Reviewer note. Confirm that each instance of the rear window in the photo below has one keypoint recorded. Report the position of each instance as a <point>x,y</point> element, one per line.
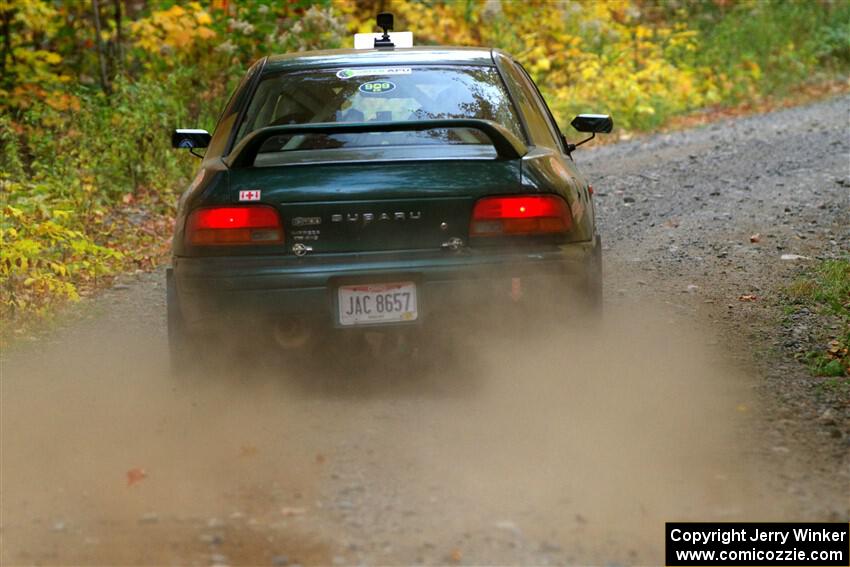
<point>379,94</point>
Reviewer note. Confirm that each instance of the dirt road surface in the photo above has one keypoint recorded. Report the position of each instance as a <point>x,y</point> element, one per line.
<point>513,446</point>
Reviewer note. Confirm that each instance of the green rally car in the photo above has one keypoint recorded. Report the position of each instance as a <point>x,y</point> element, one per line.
<point>379,188</point>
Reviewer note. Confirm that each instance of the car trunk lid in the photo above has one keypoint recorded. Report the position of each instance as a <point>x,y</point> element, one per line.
<point>384,206</point>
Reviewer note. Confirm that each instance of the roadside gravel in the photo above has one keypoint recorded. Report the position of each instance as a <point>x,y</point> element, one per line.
<point>703,218</point>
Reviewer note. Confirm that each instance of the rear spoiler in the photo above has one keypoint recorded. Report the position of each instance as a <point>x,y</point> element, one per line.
<point>507,145</point>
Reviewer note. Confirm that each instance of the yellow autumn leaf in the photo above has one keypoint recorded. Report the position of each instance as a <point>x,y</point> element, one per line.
<point>203,18</point>
<point>205,33</point>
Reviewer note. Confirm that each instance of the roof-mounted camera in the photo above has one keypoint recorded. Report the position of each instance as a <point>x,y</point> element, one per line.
<point>385,22</point>
<point>389,39</point>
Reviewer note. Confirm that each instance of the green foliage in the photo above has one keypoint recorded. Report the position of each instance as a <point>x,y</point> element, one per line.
<point>827,285</point>
<point>769,46</point>
<point>42,259</point>
<point>826,288</point>
<point>89,181</point>
<point>69,180</point>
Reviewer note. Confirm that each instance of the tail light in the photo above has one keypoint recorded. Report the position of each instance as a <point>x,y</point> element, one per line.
<point>520,216</point>
<point>231,226</point>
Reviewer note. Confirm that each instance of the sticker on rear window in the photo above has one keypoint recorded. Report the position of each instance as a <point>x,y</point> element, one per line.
<point>376,87</point>
<point>372,71</point>
<point>251,195</point>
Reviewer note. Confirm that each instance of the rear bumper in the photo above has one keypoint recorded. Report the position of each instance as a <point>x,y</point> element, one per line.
<point>217,293</point>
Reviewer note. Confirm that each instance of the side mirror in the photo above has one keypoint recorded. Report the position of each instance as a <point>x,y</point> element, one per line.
<point>595,123</point>
<point>187,138</point>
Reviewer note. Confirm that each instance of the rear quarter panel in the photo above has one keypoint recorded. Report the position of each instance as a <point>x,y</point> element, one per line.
<point>549,171</point>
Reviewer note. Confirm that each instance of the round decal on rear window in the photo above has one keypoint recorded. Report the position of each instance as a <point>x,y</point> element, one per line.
<point>376,87</point>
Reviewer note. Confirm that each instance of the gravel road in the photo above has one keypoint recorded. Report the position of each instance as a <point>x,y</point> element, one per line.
<point>515,446</point>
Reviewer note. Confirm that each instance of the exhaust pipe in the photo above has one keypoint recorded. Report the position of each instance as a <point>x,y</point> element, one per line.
<point>292,333</point>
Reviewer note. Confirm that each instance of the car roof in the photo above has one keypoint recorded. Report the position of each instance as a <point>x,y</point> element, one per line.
<point>365,57</point>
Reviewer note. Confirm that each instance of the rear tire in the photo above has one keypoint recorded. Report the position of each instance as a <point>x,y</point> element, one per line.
<point>181,347</point>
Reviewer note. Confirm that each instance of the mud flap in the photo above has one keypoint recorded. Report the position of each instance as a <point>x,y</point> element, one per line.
<point>594,280</point>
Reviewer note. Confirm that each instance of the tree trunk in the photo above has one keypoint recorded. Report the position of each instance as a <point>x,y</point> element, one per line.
<point>7,41</point>
<point>119,37</point>
<point>101,56</point>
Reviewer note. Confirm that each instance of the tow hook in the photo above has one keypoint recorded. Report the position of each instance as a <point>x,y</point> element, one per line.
<point>453,244</point>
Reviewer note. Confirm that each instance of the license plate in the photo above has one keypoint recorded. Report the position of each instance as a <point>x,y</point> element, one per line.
<point>368,304</point>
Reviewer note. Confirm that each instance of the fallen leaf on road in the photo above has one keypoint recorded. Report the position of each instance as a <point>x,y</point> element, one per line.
<point>748,298</point>
<point>836,349</point>
<point>672,223</point>
<point>456,555</point>
<point>320,458</point>
<point>755,238</point>
<point>135,476</point>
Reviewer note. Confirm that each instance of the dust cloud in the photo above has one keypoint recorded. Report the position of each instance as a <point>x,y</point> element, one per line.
<point>511,445</point>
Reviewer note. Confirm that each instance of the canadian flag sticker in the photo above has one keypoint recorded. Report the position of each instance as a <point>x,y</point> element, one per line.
<point>251,195</point>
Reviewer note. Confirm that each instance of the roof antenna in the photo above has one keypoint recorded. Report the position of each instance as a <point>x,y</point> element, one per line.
<point>385,22</point>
